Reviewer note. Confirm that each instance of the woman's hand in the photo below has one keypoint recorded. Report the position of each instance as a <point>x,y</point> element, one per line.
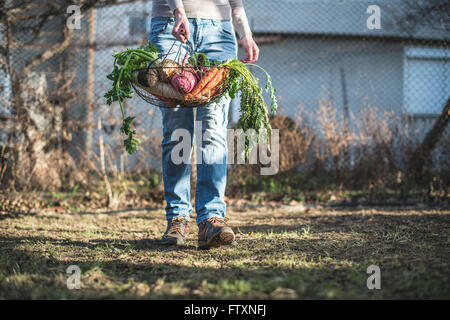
<point>251,49</point>
<point>181,27</point>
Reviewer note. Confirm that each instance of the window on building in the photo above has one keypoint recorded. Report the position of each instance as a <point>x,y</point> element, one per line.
<point>426,80</point>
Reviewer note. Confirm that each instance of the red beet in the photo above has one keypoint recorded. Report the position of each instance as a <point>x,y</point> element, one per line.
<point>184,82</point>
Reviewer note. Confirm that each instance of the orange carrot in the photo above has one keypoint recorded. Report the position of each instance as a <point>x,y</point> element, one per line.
<point>203,82</point>
<point>210,88</point>
<point>214,86</point>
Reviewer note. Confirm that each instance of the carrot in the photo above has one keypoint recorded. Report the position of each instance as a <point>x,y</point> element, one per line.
<point>211,88</point>
<point>214,86</point>
<point>203,82</point>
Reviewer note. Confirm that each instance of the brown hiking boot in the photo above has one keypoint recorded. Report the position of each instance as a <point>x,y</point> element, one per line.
<point>213,232</point>
<point>175,232</point>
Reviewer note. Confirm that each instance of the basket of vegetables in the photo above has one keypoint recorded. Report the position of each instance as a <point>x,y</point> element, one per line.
<point>190,82</point>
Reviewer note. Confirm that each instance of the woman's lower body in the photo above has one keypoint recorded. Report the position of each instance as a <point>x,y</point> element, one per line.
<point>216,39</point>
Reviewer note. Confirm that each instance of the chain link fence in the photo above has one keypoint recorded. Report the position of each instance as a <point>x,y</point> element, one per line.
<point>360,86</point>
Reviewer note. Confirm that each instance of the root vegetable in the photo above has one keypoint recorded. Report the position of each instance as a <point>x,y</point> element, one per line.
<point>212,87</point>
<point>203,81</point>
<point>167,68</point>
<point>161,89</point>
<point>184,82</point>
<point>148,77</point>
<point>165,90</point>
<point>215,85</point>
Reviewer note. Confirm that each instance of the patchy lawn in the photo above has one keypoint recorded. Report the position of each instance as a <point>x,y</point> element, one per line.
<point>281,252</point>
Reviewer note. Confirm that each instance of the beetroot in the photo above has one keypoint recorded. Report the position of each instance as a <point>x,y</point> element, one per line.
<point>184,82</point>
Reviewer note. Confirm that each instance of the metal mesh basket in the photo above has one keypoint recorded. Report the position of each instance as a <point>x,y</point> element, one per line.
<point>164,102</point>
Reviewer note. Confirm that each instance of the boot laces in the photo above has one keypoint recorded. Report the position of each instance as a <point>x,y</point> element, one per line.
<point>216,220</point>
<point>176,225</point>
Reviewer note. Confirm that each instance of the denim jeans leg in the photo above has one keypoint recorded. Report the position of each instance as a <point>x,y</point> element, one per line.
<point>176,176</point>
<point>212,160</point>
<point>218,43</point>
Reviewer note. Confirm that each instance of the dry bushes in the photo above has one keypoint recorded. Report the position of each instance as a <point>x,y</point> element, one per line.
<point>295,142</point>
<point>371,153</point>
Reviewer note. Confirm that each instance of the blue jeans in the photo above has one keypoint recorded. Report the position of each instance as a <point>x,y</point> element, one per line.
<point>216,39</point>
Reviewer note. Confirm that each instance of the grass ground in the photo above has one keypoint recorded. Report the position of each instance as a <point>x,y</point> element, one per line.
<point>281,252</point>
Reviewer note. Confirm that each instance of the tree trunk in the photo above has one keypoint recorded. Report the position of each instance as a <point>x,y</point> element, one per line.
<point>36,133</point>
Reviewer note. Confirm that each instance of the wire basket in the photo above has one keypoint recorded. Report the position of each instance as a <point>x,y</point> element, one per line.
<point>187,100</point>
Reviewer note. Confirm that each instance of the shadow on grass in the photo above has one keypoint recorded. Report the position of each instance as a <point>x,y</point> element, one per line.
<point>141,244</point>
<point>325,257</point>
<point>124,210</point>
<point>364,223</point>
<point>44,277</point>
<point>14,214</point>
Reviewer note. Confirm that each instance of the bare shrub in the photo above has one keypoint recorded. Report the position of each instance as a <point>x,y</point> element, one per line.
<point>370,154</point>
<point>333,140</point>
<point>296,138</point>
